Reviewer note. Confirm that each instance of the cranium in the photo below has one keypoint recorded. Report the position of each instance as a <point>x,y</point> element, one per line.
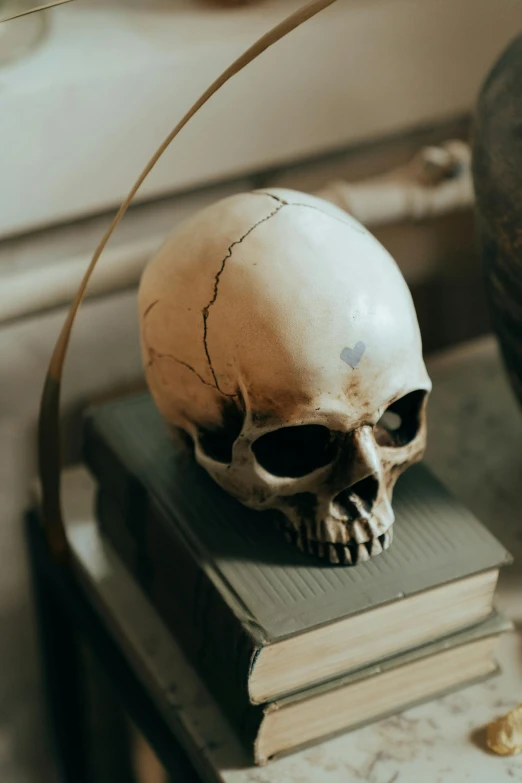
<point>282,338</point>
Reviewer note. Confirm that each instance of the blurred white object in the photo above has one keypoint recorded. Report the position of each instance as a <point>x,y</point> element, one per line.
<point>436,181</point>
<point>83,113</point>
<point>49,286</point>
<point>19,36</point>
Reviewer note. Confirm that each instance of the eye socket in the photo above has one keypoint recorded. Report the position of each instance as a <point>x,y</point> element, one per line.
<point>390,421</point>
<point>218,442</point>
<point>293,452</point>
<point>400,421</point>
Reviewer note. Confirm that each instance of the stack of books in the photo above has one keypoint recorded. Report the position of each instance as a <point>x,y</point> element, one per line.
<point>292,648</point>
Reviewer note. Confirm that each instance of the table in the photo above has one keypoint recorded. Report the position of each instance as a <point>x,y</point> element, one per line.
<point>475,447</point>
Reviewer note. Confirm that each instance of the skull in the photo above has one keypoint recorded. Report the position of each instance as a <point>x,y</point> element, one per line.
<point>281,337</point>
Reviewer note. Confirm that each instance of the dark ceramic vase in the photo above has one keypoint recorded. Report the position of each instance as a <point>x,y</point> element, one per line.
<point>497,174</point>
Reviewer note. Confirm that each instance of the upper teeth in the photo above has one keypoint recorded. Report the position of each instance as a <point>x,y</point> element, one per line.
<point>351,552</point>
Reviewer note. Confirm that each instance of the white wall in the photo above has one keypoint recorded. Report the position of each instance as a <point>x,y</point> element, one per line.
<point>82,114</point>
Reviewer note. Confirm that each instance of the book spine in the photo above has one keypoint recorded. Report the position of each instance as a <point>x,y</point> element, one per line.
<point>212,636</point>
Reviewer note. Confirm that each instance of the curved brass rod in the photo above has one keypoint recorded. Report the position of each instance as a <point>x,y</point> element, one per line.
<point>5,17</point>
<point>48,426</point>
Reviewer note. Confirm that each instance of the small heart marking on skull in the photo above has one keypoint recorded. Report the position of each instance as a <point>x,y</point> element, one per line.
<point>353,356</point>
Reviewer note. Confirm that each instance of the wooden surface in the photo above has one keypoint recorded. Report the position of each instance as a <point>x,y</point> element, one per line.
<point>475,447</point>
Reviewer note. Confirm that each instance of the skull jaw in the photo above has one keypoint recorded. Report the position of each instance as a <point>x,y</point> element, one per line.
<point>339,542</point>
<point>339,554</point>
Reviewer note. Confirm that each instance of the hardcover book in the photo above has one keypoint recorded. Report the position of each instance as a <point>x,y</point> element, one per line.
<point>373,692</point>
<point>260,619</point>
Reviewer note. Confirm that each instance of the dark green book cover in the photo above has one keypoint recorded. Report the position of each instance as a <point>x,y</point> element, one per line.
<point>222,575</point>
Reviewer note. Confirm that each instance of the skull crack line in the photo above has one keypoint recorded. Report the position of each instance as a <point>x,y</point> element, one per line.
<point>361,230</point>
<point>153,355</point>
<point>206,309</point>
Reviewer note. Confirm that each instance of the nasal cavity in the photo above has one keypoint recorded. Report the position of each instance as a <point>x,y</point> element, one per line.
<point>363,493</point>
